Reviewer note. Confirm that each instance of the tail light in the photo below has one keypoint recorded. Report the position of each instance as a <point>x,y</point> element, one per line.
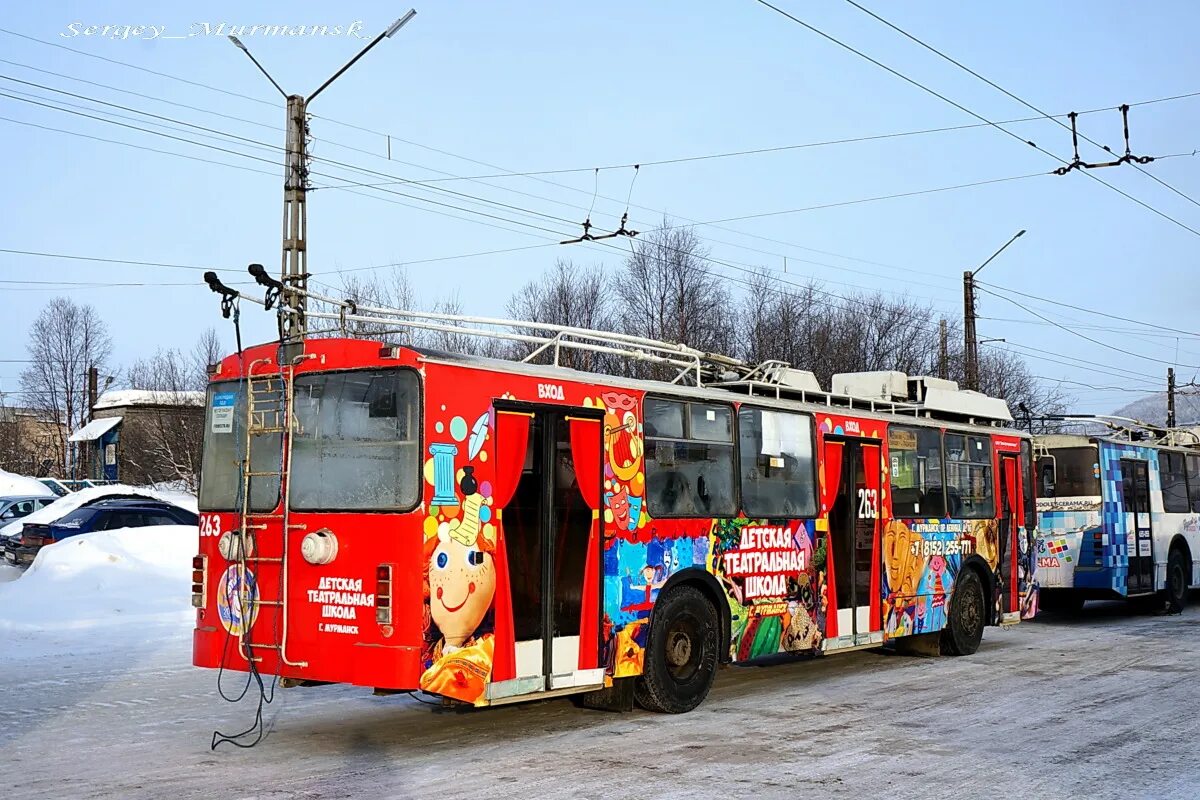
<point>199,580</point>
<point>383,594</point>
<point>35,540</point>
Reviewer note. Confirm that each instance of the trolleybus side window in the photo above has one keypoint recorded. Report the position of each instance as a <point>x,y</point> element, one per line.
<point>355,446</point>
<point>915,466</point>
<point>224,449</point>
<point>689,459</point>
<point>970,490</point>
<point>1193,470</point>
<point>1172,475</point>
<point>776,458</point>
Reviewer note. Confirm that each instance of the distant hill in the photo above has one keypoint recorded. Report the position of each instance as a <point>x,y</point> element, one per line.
<point>1153,408</point>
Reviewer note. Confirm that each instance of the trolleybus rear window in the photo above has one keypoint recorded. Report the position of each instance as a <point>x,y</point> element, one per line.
<point>689,459</point>
<point>356,442</point>
<point>776,452</point>
<point>224,451</point>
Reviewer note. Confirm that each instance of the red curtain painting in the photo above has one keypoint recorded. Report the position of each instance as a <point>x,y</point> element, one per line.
<point>871,477</point>
<point>512,440</point>
<point>586,455</point>
<point>1015,517</point>
<point>831,464</point>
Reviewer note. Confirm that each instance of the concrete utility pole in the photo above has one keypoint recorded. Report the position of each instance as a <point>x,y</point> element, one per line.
<point>1170,397</point>
<point>970,341</point>
<point>294,262</point>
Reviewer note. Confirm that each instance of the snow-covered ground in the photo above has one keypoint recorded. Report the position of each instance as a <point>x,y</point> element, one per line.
<point>13,485</point>
<point>65,505</point>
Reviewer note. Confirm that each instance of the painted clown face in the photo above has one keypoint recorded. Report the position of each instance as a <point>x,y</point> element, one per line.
<point>462,582</point>
<point>619,503</point>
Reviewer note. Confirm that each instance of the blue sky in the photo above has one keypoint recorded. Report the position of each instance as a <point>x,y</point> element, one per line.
<point>541,85</point>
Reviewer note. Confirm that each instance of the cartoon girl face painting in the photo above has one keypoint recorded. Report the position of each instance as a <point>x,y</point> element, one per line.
<point>462,583</point>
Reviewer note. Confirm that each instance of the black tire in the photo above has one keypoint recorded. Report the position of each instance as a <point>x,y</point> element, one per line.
<point>968,613</point>
<point>1177,580</point>
<point>681,653</point>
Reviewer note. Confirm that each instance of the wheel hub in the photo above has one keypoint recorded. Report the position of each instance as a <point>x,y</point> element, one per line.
<point>679,650</point>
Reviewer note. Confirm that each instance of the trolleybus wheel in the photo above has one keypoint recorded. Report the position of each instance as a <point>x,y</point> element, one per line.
<point>1177,580</point>
<point>681,653</point>
<point>968,610</point>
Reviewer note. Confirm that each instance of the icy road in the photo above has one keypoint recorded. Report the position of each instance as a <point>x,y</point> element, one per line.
<point>1106,706</point>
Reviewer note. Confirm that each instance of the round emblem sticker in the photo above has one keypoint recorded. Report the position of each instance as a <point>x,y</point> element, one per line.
<point>237,600</point>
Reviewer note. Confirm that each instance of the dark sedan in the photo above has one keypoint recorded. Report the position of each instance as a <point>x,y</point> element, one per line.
<point>105,514</point>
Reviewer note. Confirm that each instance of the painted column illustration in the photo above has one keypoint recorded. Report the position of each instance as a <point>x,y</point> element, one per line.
<point>443,474</point>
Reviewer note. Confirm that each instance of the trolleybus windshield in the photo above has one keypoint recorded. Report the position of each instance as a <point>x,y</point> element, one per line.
<point>1071,472</point>
<point>224,451</point>
<point>355,441</point>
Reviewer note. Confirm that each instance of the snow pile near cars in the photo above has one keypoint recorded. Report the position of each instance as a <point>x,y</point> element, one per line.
<point>131,577</point>
<point>13,485</point>
<point>65,505</point>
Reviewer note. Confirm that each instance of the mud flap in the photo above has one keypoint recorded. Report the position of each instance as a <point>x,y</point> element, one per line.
<point>923,644</point>
<point>618,697</point>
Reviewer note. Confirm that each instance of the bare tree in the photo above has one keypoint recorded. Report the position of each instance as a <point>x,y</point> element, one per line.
<point>65,340</point>
<point>570,295</point>
<point>208,350</point>
<point>668,291</point>
<point>161,438</point>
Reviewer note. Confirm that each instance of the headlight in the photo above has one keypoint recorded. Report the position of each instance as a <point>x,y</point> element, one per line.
<point>319,547</point>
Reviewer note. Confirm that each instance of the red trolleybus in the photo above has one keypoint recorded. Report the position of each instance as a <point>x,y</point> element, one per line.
<point>492,531</point>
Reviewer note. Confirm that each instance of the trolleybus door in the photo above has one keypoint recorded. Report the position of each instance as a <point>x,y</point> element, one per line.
<point>853,543</point>
<point>1135,490</point>
<point>550,529</point>
<point>1009,524</point>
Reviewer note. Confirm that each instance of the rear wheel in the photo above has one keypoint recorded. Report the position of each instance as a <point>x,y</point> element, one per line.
<point>681,653</point>
<point>1177,580</point>
<point>964,629</point>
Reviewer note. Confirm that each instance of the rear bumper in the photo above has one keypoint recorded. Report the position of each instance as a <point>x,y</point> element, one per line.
<point>375,665</point>
<point>18,555</point>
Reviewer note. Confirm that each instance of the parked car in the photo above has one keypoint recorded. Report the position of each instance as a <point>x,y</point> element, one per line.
<point>105,514</point>
<point>56,486</point>
<point>15,507</point>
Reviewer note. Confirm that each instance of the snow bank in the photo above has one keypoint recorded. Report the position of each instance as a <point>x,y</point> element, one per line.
<point>15,485</point>
<point>65,505</point>
<point>131,576</point>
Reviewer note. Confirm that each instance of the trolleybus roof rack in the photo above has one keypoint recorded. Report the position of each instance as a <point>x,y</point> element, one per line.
<point>890,392</point>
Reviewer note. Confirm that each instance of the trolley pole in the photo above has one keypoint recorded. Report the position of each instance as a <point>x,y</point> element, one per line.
<point>970,341</point>
<point>1170,397</point>
<point>293,323</point>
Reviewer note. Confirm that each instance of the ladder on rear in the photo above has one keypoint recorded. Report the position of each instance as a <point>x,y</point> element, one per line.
<point>269,402</point>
